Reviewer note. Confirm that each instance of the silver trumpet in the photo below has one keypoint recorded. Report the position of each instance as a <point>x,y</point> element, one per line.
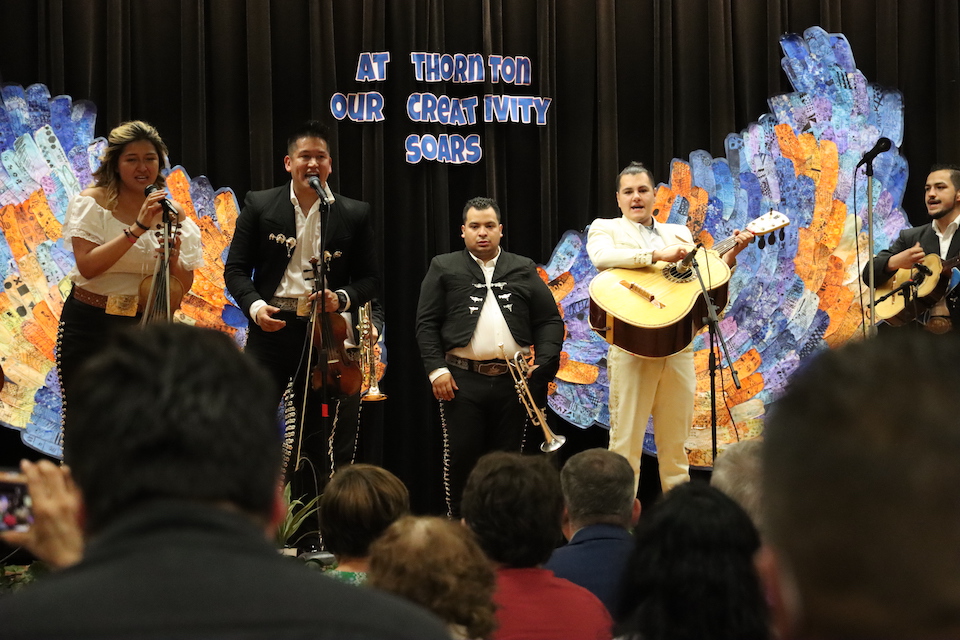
<point>368,356</point>
<point>519,368</point>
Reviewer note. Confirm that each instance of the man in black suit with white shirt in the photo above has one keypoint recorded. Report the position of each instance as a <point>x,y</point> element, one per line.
<point>942,199</point>
<point>268,266</point>
<point>476,307</point>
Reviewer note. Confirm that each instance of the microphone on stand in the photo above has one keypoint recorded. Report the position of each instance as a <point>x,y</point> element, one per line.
<point>688,259</point>
<point>314,182</point>
<point>922,268</point>
<point>883,144</point>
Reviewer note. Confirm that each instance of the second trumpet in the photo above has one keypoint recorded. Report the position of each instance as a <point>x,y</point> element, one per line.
<point>519,369</point>
<point>369,357</point>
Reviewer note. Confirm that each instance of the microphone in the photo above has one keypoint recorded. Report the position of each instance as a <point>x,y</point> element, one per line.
<point>165,203</point>
<point>922,268</point>
<point>688,259</point>
<point>883,144</point>
<point>314,182</point>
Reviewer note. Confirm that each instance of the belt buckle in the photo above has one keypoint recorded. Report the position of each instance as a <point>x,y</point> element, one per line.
<point>491,368</point>
<point>284,304</point>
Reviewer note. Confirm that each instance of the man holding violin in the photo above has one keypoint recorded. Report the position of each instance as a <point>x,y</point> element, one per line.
<point>478,306</point>
<point>270,275</point>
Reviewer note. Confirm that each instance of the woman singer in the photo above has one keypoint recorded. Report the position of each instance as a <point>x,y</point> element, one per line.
<point>111,228</point>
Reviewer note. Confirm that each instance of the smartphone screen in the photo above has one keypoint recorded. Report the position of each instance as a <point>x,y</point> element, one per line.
<point>15,507</point>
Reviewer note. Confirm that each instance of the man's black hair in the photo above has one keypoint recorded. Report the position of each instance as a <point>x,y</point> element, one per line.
<point>309,129</point>
<point>480,203</point>
<point>635,168</point>
<point>172,412</point>
<point>861,487</point>
<point>513,504</point>
<point>954,172</point>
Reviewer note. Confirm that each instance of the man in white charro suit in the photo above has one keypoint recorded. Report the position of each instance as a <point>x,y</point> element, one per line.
<point>641,386</point>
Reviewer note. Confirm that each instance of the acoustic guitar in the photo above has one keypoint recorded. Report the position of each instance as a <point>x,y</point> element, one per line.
<point>892,304</point>
<point>656,310</point>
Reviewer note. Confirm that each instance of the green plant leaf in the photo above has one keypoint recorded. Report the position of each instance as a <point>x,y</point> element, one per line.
<point>297,514</point>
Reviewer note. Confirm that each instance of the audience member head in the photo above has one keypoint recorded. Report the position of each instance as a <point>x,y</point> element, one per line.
<point>513,504</point>
<point>438,565</point>
<point>172,412</point>
<point>737,473</point>
<point>861,491</point>
<point>107,174</point>
<point>691,575</point>
<point>598,488</point>
<point>358,505</point>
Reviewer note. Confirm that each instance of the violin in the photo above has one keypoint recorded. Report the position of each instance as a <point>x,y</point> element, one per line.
<point>161,293</point>
<point>333,367</point>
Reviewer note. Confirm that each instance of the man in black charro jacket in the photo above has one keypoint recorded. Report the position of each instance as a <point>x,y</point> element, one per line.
<point>268,273</point>
<point>942,199</point>
<point>476,306</point>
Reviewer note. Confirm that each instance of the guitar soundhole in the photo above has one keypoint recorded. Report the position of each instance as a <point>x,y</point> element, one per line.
<point>673,274</point>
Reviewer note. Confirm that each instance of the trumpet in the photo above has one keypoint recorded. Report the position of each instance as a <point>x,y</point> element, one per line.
<point>368,356</point>
<point>519,368</point>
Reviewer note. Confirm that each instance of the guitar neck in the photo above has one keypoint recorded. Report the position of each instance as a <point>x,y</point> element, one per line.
<point>725,245</point>
<point>767,223</point>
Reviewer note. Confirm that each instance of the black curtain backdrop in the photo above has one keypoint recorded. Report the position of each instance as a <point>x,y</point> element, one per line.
<point>225,80</point>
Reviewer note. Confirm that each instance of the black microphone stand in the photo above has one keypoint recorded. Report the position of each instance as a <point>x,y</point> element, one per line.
<point>713,327</point>
<point>883,144</point>
<point>321,288</point>
<point>906,288</point>
<point>318,307</point>
<point>911,293</point>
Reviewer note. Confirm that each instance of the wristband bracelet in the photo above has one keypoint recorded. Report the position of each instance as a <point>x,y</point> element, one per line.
<point>132,238</point>
<point>141,225</point>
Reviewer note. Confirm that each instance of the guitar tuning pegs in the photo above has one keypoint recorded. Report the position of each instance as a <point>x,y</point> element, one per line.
<point>773,239</point>
<point>761,242</point>
<point>783,235</point>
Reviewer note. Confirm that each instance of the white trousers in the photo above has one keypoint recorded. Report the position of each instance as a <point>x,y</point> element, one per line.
<point>661,387</point>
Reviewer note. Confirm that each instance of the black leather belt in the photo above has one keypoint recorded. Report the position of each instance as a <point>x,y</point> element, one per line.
<point>284,304</point>
<point>483,367</point>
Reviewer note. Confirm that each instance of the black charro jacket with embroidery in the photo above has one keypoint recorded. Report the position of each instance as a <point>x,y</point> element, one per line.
<point>452,295</point>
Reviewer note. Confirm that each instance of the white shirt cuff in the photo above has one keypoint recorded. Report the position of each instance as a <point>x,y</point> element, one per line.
<point>436,373</point>
<point>254,308</point>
